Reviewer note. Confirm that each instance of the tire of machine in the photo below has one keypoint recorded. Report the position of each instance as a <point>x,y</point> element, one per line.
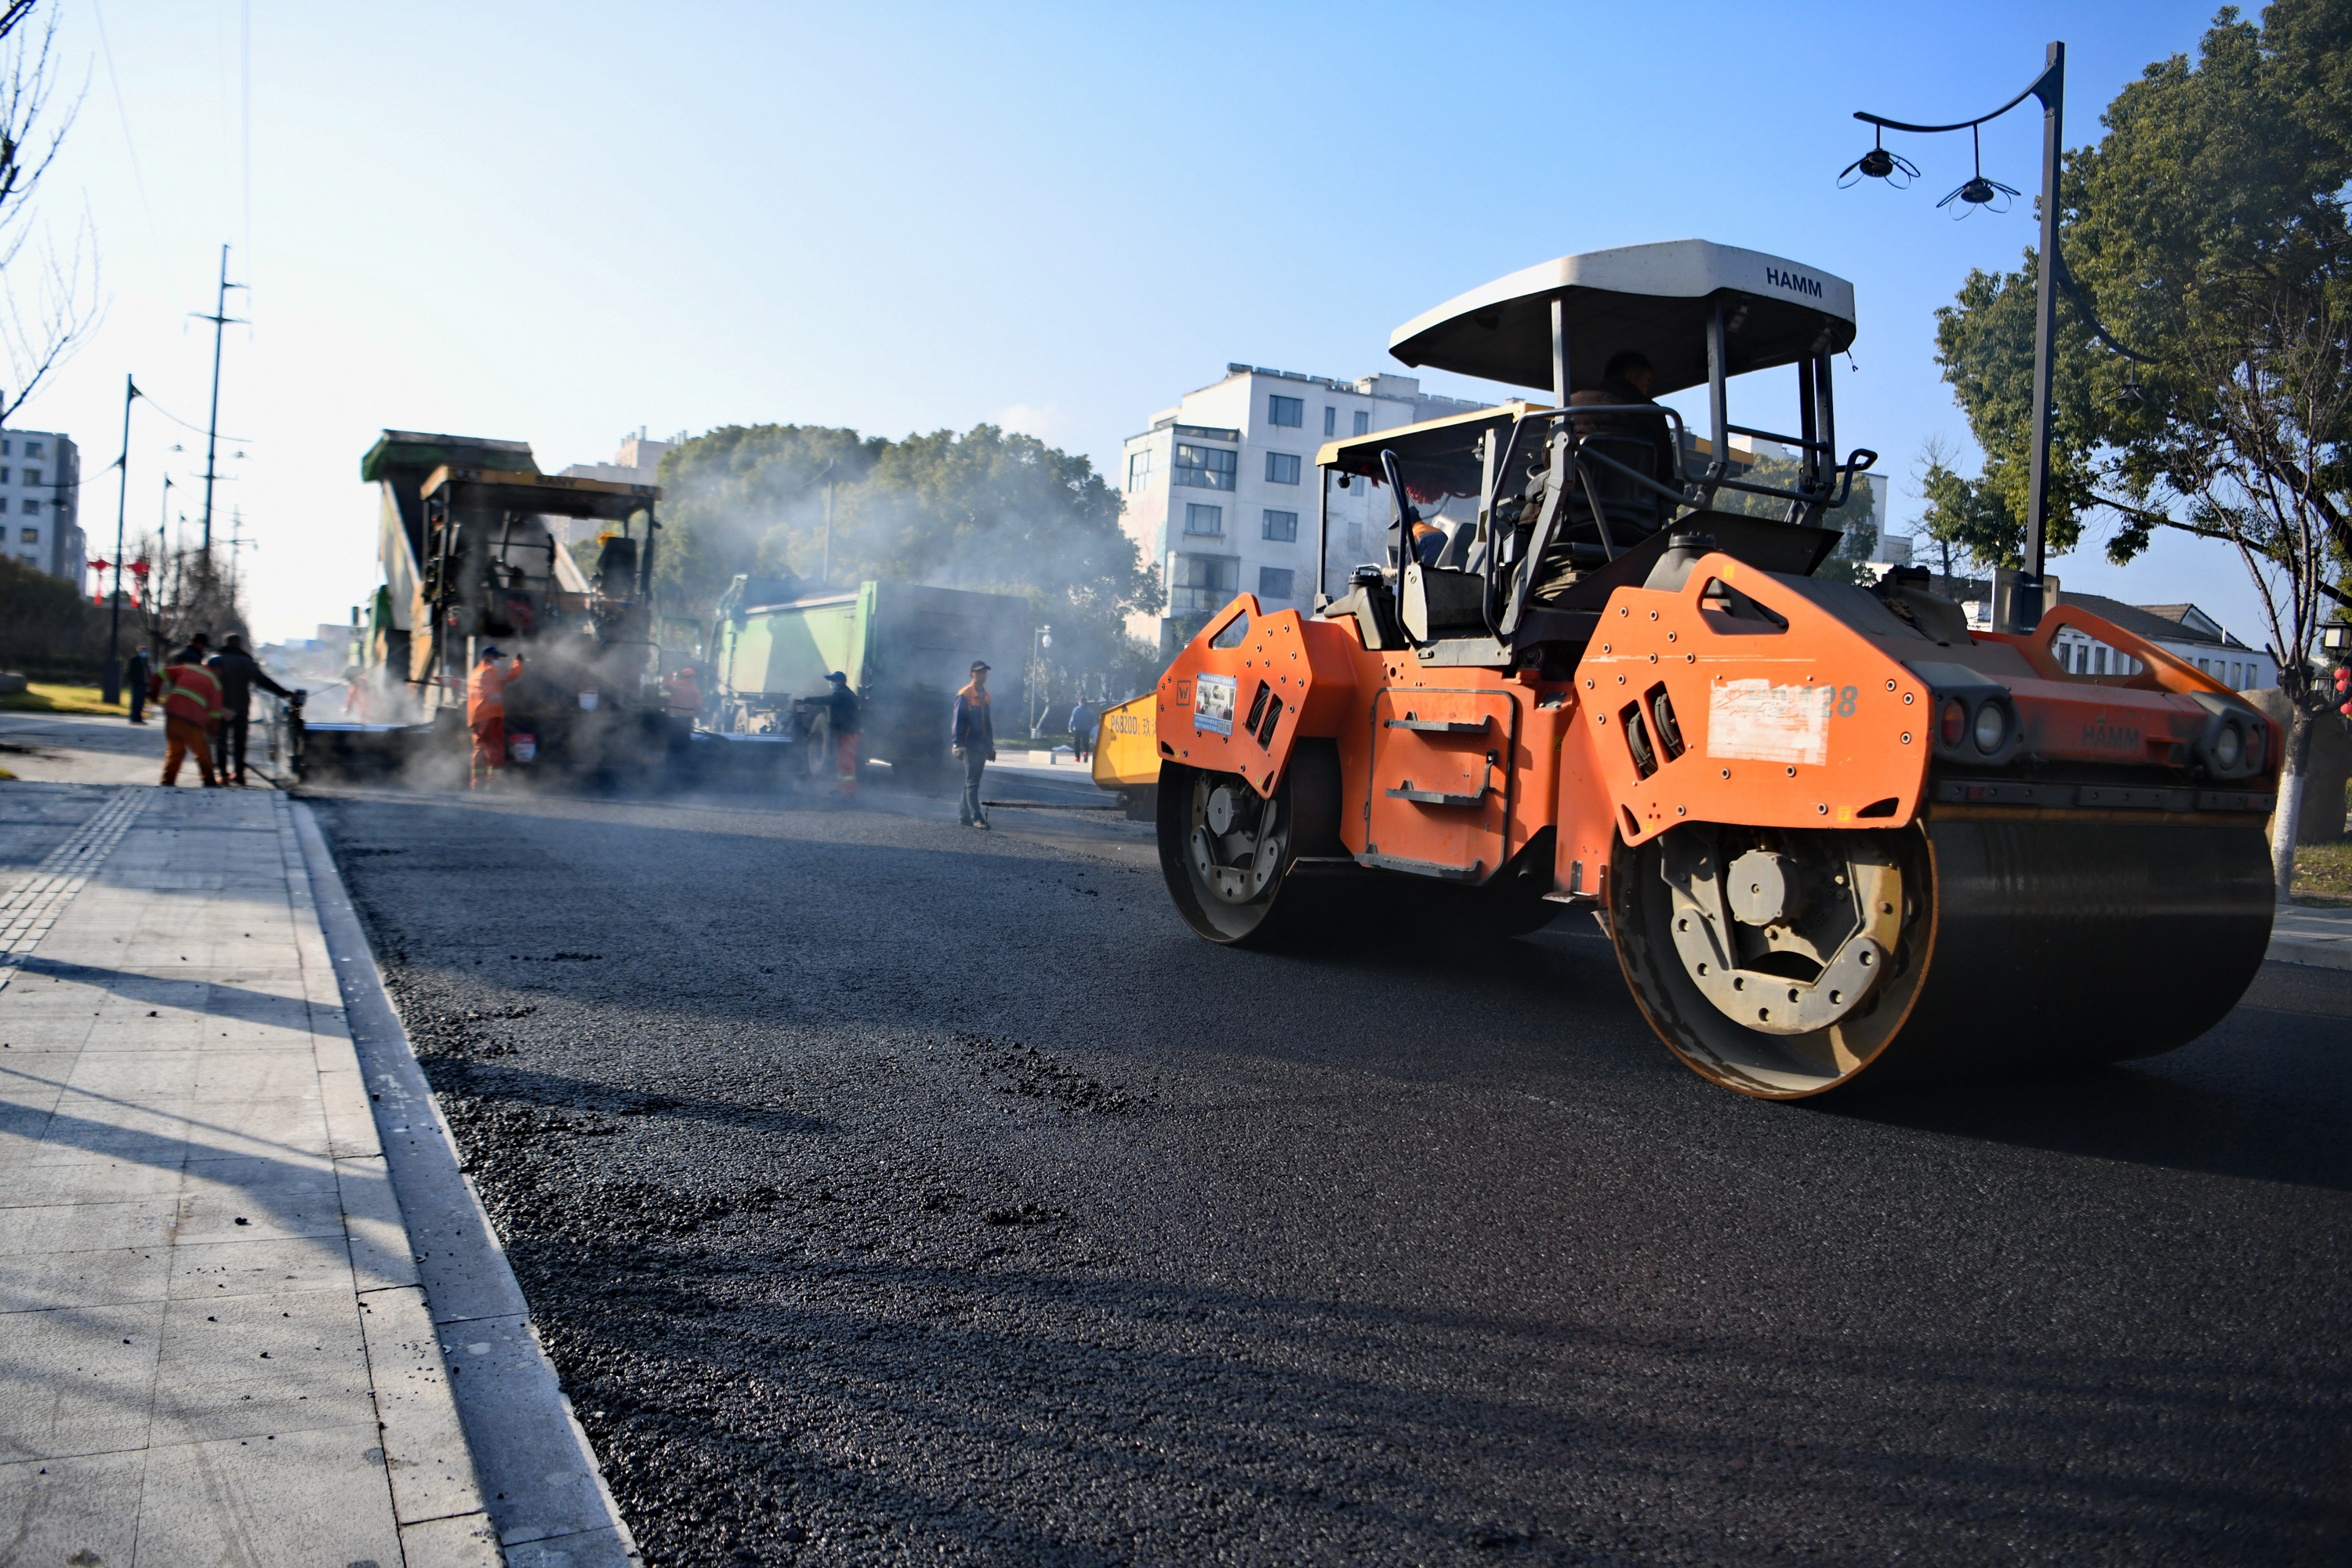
<point>1294,909</point>
<point>2027,947</point>
<point>817,761</point>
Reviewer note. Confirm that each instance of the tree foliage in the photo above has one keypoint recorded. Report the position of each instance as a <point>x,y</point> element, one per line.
<point>2207,227</point>
<point>986,509</point>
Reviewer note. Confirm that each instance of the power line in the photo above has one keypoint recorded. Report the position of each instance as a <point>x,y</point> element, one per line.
<point>113,80</point>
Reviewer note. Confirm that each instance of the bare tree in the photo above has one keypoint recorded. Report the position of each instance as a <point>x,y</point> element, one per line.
<point>45,318</point>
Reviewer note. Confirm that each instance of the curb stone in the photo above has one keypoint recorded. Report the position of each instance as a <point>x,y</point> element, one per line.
<point>543,1488</point>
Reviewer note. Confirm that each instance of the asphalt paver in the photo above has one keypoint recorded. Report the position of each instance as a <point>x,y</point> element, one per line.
<point>888,1191</point>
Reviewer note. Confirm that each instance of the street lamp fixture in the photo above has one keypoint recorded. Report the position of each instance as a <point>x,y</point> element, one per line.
<point>1978,191</point>
<point>2050,89</point>
<point>1878,164</point>
<point>2336,637</point>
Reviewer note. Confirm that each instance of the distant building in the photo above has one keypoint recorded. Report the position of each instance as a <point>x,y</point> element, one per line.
<point>1222,488</point>
<point>2184,631</point>
<point>638,463</point>
<point>40,503</point>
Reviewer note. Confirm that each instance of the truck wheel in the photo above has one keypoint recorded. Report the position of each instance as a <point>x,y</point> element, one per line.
<point>819,757</point>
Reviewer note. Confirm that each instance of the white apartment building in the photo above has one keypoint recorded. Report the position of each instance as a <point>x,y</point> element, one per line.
<point>1221,490</point>
<point>40,503</point>
<point>638,463</point>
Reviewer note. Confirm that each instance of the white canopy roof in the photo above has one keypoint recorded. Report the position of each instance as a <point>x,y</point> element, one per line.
<point>1655,299</point>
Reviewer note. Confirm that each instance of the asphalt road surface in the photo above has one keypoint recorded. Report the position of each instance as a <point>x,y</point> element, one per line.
<point>892,1192</point>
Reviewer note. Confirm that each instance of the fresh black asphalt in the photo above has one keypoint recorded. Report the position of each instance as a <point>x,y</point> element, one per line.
<point>891,1192</point>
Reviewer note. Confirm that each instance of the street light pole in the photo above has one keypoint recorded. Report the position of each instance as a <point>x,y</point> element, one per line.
<point>2050,88</point>
<point>114,692</point>
<point>2052,91</point>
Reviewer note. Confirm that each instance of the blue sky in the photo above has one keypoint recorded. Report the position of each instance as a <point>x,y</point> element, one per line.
<point>559,223</point>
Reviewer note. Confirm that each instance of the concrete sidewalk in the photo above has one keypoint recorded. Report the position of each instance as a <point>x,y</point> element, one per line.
<point>214,1346</point>
<point>2323,938</point>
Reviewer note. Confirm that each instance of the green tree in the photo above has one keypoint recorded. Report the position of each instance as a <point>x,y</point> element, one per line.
<point>2207,228</point>
<point>985,510</point>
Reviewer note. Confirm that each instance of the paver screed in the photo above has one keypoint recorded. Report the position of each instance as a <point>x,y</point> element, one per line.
<point>213,1344</point>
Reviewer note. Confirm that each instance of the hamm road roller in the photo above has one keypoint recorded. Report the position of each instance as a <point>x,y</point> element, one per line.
<point>1828,826</point>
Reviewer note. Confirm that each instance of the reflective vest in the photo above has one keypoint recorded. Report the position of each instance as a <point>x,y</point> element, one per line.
<point>189,691</point>
<point>486,690</point>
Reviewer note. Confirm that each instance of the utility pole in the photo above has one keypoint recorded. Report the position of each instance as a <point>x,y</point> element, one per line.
<point>113,691</point>
<point>220,319</point>
<point>155,568</point>
<point>2052,90</point>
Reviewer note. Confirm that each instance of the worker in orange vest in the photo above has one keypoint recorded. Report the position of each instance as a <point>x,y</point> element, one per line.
<point>486,712</point>
<point>191,696</point>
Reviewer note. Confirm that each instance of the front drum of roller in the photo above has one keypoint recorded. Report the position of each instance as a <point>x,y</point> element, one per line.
<point>2021,947</point>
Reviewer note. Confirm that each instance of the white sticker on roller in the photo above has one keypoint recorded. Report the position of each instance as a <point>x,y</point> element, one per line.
<point>1756,721</point>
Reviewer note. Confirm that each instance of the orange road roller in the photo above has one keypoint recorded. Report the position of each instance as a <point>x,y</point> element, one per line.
<point>1830,827</point>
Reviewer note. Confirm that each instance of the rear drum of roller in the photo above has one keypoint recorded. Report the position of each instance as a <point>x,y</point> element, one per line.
<point>2026,946</point>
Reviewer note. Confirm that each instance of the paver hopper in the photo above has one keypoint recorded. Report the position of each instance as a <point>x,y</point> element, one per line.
<point>1829,827</point>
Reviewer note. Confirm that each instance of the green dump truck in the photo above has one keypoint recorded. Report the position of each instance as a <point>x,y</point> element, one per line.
<point>905,648</point>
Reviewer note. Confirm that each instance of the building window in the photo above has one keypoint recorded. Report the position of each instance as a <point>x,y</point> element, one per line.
<point>31,507</point>
<point>1139,470</point>
<point>1330,420</point>
<point>1363,423</point>
<point>32,536</point>
<point>1206,467</point>
<point>1208,520</point>
<point>1287,411</point>
<point>32,476</point>
<point>1282,468</point>
<point>32,448</point>
<point>1273,582</point>
<point>1282,527</point>
<point>1198,583</point>
<point>4,472</point>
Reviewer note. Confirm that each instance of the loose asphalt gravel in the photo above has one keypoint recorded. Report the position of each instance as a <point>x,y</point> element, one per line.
<point>891,1192</point>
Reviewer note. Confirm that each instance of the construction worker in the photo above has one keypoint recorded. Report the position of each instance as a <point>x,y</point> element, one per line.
<point>841,716</point>
<point>1083,723</point>
<point>685,694</point>
<point>192,704</point>
<point>134,681</point>
<point>486,712</point>
<point>239,673</point>
<point>971,736</point>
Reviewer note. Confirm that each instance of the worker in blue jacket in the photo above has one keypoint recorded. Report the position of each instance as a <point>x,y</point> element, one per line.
<point>972,738</point>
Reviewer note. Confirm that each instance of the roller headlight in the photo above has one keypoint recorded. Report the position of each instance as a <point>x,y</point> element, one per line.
<point>1993,727</point>
<point>1953,722</point>
<point>2228,746</point>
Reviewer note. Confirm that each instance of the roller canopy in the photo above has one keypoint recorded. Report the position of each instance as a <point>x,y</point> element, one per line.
<point>544,495</point>
<point>1440,455</point>
<point>1655,299</point>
